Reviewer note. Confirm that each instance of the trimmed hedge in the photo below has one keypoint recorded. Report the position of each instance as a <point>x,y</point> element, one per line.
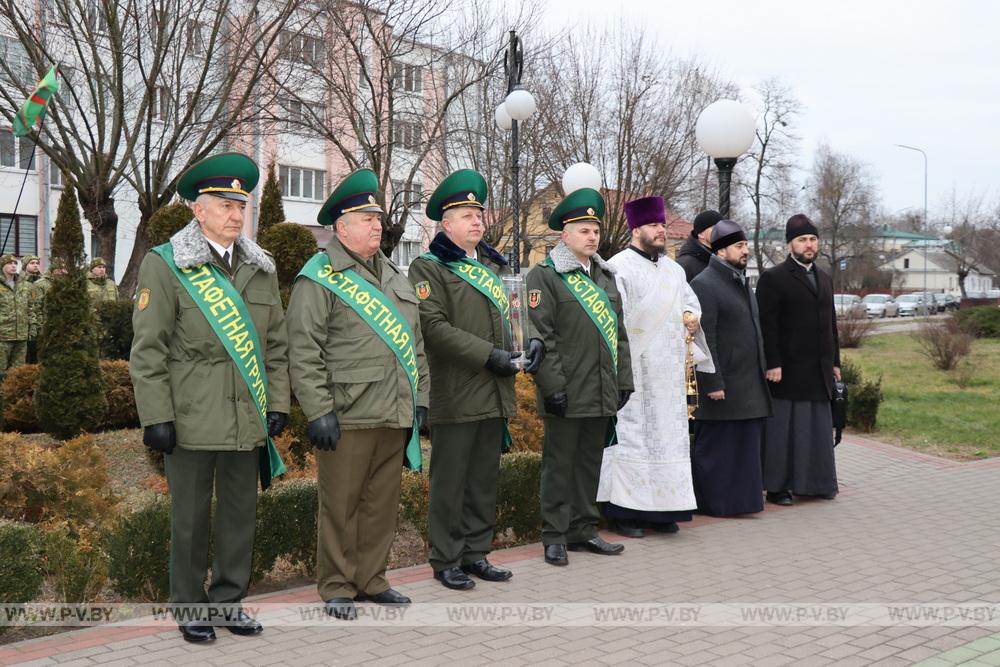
<point>114,329</point>
<point>981,321</point>
<point>286,527</point>
<point>19,388</point>
<point>518,502</point>
<point>20,563</point>
<point>138,548</point>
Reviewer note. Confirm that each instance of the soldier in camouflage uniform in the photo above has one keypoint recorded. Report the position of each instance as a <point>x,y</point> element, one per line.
<point>14,315</point>
<point>32,274</point>
<point>39,290</point>
<point>100,288</point>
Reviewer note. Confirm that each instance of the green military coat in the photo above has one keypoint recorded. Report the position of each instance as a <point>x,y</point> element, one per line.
<point>337,361</point>
<point>461,327</point>
<point>577,360</point>
<point>15,310</point>
<point>180,370</point>
<point>101,289</point>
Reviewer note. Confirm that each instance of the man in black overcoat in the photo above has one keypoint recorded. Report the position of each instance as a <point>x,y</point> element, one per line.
<point>797,317</point>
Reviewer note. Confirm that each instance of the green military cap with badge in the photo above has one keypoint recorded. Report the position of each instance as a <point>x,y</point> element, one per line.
<point>7,259</point>
<point>30,258</point>
<point>355,194</point>
<point>465,187</point>
<point>583,205</point>
<point>227,175</point>
<point>97,261</point>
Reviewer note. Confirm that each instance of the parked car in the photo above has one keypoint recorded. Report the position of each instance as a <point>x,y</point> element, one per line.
<point>880,305</point>
<point>938,301</point>
<point>849,305</point>
<point>913,305</point>
<point>952,302</point>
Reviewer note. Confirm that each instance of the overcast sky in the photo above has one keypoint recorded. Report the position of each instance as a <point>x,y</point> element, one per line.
<point>870,74</point>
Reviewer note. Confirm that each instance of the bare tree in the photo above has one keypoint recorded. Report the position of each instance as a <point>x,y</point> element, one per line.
<point>149,88</point>
<point>843,195</point>
<point>973,235</point>
<point>772,160</point>
<point>382,94</point>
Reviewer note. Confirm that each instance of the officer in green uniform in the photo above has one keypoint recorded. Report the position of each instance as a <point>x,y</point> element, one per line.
<point>359,394</point>
<point>100,288</point>
<point>464,315</point>
<point>31,274</point>
<point>15,303</point>
<point>195,402</point>
<point>586,376</point>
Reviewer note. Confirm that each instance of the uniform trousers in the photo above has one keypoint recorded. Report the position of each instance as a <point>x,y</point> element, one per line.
<point>193,474</point>
<point>571,470</point>
<point>358,505</point>
<point>465,463</point>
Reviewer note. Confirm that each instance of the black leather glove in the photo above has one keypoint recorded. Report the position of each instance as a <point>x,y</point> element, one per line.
<point>534,355</point>
<point>556,404</point>
<point>421,417</point>
<point>324,432</point>
<point>623,396</point>
<point>500,362</point>
<point>160,437</point>
<point>276,422</point>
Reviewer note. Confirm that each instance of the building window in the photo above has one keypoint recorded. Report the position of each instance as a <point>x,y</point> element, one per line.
<point>159,103</point>
<point>906,263</point>
<point>21,240</point>
<point>55,175</point>
<point>408,196</point>
<point>407,134</point>
<point>16,59</point>
<point>301,48</point>
<point>406,252</point>
<point>16,152</point>
<point>300,115</point>
<point>408,78</point>
<point>196,38</point>
<point>302,183</point>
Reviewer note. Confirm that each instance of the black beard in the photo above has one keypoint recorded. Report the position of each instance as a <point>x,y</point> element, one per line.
<point>738,264</point>
<point>803,260</point>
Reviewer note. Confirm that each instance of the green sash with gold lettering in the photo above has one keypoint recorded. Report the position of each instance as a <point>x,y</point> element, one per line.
<point>483,279</point>
<point>596,304</point>
<point>227,314</point>
<point>378,312</point>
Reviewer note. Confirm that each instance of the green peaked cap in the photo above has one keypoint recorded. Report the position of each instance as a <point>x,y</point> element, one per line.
<point>465,187</point>
<point>355,193</point>
<point>583,205</point>
<point>227,175</point>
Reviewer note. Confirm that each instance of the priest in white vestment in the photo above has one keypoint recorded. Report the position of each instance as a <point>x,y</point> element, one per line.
<point>646,478</point>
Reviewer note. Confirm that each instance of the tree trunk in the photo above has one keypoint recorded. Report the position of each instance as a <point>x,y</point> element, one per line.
<point>103,219</point>
<point>126,289</point>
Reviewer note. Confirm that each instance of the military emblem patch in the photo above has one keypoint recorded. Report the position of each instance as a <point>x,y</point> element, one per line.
<point>535,298</point>
<point>236,185</point>
<point>423,289</point>
<point>143,299</point>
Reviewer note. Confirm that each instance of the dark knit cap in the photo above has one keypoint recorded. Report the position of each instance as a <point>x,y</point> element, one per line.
<point>799,225</point>
<point>726,233</point>
<point>704,220</point>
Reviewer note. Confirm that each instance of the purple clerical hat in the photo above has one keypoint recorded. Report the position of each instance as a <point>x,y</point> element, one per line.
<point>645,211</point>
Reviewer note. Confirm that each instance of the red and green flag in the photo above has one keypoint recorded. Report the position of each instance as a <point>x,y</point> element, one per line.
<point>33,107</point>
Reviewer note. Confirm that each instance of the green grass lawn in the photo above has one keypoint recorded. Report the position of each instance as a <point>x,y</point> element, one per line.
<point>925,408</point>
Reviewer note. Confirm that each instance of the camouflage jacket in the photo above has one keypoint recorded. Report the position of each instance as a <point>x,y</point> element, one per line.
<point>15,309</point>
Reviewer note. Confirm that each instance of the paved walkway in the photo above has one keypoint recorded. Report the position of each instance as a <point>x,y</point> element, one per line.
<point>907,528</point>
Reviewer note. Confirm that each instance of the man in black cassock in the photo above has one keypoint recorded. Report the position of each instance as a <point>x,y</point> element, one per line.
<point>803,359</point>
<point>733,401</point>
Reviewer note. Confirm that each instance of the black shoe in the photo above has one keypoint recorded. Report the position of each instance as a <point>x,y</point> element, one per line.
<point>243,625</point>
<point>487,571</point>
<point>342,608</point>
<point>555,554</point>
<point>627,529</point>
<point>670,527</point>
<point>779,497</point>
<point>389,596</point>
<point>598,546</point>
<point>455,579</point>
<point>197,632</point>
